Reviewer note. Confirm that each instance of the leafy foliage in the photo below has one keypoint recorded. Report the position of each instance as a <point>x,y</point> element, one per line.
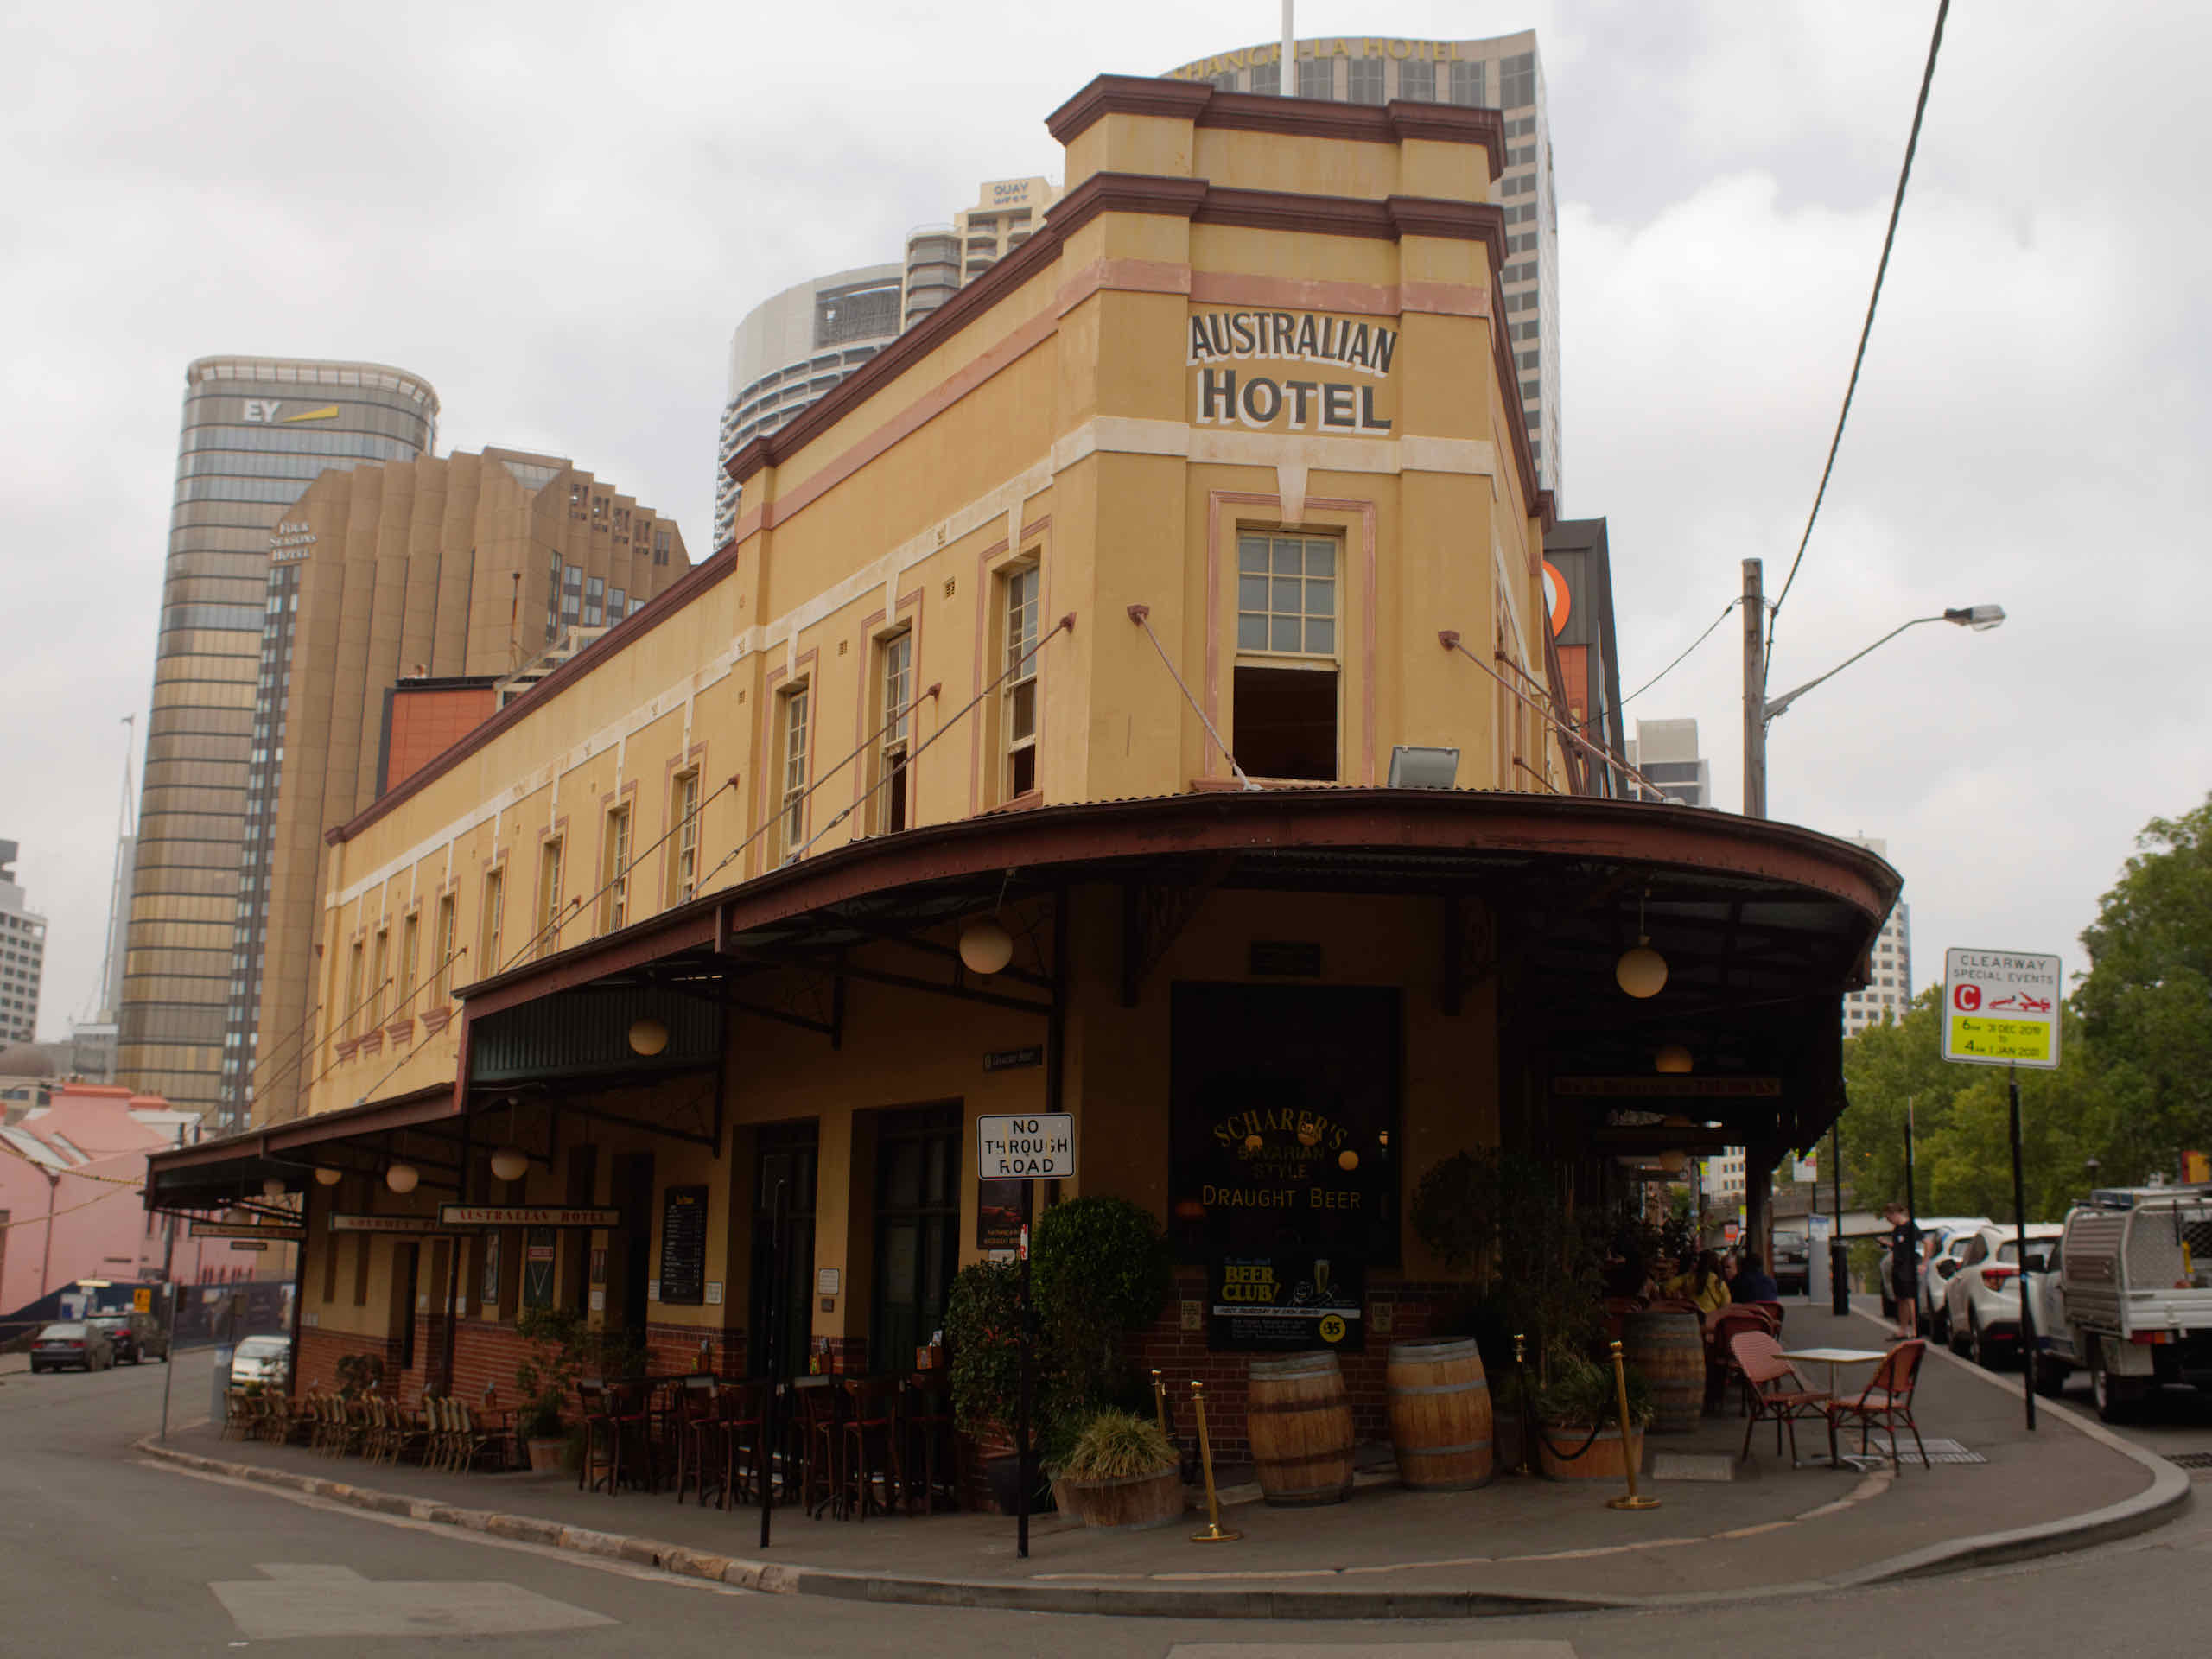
<point>564,1347</point>
<point>1582,1392</point>
<point>1116,1446</point>
<point>360,1374</point>
<point>1536,1262</point>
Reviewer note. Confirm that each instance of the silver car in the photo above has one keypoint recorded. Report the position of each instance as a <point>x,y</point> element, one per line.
<point>263,1359</point>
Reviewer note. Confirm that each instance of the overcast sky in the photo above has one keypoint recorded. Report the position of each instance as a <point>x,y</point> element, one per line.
<point>558,212</point>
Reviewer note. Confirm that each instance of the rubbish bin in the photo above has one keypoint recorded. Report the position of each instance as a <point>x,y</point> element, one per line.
<point>1839,1276</point>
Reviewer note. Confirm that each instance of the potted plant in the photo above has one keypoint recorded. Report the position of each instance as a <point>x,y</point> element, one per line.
<point>562,1348</point>
<point>1579,1405</point>
<point>983,1327</point>
<point>1120,1474</point>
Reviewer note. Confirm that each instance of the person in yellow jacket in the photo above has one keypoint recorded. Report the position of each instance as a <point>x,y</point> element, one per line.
<point>1702,1283</point>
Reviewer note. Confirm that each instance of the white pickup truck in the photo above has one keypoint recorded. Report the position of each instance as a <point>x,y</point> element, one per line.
<point>2131,1302</point>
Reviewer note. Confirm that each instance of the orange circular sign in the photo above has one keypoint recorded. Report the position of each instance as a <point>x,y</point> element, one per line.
<point>1558,599</point>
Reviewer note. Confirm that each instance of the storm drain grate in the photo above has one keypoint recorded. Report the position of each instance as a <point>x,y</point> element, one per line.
<point>1939,1450</point>
<point>2190,1459</point>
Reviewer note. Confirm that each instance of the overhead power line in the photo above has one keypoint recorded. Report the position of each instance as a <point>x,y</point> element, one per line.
<point>1867,329</point>
<point>1670,667</point>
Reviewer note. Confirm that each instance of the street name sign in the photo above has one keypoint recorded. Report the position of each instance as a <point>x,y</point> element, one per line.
<point>280,1235</point>
<point>403,1226</point>
<point>1032,1147</point>
<point>2000,1008</point>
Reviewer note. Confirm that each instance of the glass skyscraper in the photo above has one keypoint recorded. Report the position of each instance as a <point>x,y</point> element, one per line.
<point>256,431</point>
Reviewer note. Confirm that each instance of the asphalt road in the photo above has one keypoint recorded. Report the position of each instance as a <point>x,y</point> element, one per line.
<point>102,1553</point>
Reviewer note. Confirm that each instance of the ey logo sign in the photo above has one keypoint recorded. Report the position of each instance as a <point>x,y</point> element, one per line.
<point>261,412</point>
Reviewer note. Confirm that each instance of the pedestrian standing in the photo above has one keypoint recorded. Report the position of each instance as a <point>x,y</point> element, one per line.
<point>1904,1269</point>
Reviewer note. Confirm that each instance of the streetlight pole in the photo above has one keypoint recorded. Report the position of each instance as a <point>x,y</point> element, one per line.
<point>1759,710</point>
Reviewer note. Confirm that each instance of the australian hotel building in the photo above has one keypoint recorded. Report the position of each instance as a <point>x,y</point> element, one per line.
<point>1129,695</point>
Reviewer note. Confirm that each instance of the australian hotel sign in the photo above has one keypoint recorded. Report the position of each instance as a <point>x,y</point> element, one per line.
<point>1291,371</point>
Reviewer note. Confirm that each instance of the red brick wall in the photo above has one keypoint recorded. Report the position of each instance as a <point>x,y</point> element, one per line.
<point>1182,1355</point>
<point>320,1351</point>
<point>426,723</point>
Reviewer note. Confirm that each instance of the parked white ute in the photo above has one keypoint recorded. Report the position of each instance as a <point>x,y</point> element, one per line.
<point>1981,1299</point>
<point>2134,1294</point>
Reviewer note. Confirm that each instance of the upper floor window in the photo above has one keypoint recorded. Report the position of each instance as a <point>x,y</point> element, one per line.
<point>895,678</point>
<point>410,944</point>
<point>1363,80</point>
<point>1317,77</point>
<point>1021,587</point>
<point>1417,79</point>
<point>495,893</point>
<point>684,876</point>
<point>614,899</point>
<point>791,831</point>
<point>1467,82</point>
<point>1286,683</point>
<point>549,882</point>
<point>442,976</point>
<point>380,976</point>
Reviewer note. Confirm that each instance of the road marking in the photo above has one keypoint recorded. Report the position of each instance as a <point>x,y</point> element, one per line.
<point>309,1598</point>
<point>482,1540</point>
<point>1511,1649</point>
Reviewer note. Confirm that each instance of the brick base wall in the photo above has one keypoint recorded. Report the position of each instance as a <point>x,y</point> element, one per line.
<point>320,1351</point>
<point>1413,1311</point>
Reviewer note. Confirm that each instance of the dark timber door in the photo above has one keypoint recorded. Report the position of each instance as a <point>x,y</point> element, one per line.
<point>633,1195</point>
<point>916,1231</point>
<point>787,1159</point>
<point>406,1268</point>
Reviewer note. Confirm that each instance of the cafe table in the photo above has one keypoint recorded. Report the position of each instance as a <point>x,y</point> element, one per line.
<point>1836,1359</point>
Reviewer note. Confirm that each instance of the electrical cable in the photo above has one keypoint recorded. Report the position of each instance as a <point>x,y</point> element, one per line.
<point>1585,725</point>
<point>1867,329</point>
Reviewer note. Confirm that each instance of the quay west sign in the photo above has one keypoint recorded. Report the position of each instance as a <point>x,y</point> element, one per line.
<point>1290,372</point>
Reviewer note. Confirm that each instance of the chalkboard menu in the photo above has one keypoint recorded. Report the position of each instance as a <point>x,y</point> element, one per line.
<point>683,1246</point>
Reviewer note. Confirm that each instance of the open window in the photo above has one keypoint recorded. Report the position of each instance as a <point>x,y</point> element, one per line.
<point>1285,694</point>
<point>791,831</point>
<point>1020,588</point>
<point>683,873</point>
<point>892,808</point>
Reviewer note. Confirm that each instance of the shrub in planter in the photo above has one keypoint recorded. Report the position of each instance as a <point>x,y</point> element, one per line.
<point>563,1347</point>
<point>1580,1396</point>
<point>1102,1269</point>
<point>1121,1474</point>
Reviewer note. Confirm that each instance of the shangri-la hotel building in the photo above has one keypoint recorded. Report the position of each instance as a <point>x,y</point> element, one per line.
<point>1131,695</point>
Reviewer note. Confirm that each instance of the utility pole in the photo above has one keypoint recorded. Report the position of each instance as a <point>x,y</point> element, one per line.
<point>1287,81</point>
<point>1754,691</point>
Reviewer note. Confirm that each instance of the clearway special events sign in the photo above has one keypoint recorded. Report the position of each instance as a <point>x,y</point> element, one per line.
<point>526,1215</point>
<point>2000,1008</point>
<point>1033,1146</point>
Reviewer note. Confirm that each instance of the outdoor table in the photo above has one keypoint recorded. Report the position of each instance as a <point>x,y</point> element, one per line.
<point>1834,1358</point>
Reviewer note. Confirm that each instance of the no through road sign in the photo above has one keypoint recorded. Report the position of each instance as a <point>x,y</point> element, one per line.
<point>1032,1146</point>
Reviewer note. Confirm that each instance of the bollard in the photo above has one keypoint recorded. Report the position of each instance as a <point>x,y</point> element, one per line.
<point>1213,1533</point>
<point>1629,1446</point>
<point>1523,1458</point>
<point>1159,1400</point>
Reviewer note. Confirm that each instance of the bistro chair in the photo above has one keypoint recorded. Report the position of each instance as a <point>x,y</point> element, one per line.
<point>1773,1392</point>
<point>695,1429</point>
<point>1887,1401</point>
<point>869,1442</point>
<point>601,1440</point>
<point>742,1426</point>
<point>814,1424</point>
<point>1722,1327</point>
<point>925,1423</point>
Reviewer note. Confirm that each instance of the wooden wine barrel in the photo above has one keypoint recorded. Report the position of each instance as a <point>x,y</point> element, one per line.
<point>1668,1349</point>
<point>1300,1425</point>
<point>1439,1415</point>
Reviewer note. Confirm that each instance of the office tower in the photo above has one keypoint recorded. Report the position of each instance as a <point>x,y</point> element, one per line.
<point>1888,990</point>
<point>790,349</point>
<point>22,954</point>
<point>255,430</point>
<point>942,259</point>
<point>1506,73</point>
<point>430,574</point>
<point>1666,752</point>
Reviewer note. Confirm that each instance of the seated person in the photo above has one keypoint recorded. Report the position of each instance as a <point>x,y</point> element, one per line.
<point>1753,1282</point>
<point>1702,1282</point>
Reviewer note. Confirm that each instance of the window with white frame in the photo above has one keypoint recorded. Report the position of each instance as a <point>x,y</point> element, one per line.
<point>1021,587</point>
<point>495,895</point>
<point>548,887</point>
<point>614,881</point>
<point>895,675</point>
<point>684,878</point>
<point>1284,688</point>
<point>791,832</point>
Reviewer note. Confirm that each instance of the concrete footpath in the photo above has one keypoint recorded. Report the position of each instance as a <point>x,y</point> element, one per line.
<point>1724,1531</point>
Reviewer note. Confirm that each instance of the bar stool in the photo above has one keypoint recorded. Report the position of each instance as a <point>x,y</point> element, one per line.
<point>869,1440</point>
<point>927,1423</point>
<point>742,1422</point>
<point>694,1430</point>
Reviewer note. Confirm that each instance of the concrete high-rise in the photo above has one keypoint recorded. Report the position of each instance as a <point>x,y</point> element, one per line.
<point>1887,993</point>
<point>942,259</point>
<point>256,431</point>
<point>1666,752</point>
<point>1505,74</point>
<point>414,574</point>
<point>22,954</point>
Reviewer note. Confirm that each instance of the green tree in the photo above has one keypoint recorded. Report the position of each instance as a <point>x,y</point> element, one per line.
<point>2146,1002</point>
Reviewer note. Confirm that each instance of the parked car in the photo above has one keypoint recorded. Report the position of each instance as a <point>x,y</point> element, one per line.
<point>263,1359</point>
<point>1934,1231</point>
<point>1942,1237</point>
<point>1981,1300</point>
<point>1792,1262</point>
<point>72,1342</point>
<point>2135,1294</point>
<point>136,1337</point>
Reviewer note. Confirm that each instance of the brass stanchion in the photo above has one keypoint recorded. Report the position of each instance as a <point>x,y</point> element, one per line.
<point>1213,1532</point>
<point>1159,1400</point>
<point>1525,1458</point>
<point>1629,1446</point>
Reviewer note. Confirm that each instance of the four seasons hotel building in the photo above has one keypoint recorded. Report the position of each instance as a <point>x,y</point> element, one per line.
<point>1128,695</point>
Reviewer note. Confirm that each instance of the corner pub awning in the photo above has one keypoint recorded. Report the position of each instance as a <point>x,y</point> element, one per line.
<point>1763,927</point>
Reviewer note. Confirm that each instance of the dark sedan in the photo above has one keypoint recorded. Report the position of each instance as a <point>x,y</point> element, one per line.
<point>71,1342</point>
<point>136,1337</point>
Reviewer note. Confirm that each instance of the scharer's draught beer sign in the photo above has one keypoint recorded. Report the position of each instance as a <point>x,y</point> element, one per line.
<point>1291,371</point>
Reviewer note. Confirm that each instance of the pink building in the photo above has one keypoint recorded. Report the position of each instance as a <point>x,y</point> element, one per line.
<point>81,1160</point>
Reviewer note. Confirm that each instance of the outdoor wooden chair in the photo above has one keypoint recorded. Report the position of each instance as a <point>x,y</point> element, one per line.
<point>926,1427</point>
<point>696,1429</point>
<point>438,1432</point>
<point>814,1424</point>
<point>868,1447</point>
<point>1887,1402</point>
<point>1773,1392</point>
<point>742,1433</point>
<point>1722,1326</point>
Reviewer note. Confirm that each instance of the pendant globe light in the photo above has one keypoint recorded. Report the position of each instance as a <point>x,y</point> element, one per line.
<point>402,1178</point>
<point>1672,1060</point>
<point>326,1176</point>
<point>510,1162</point>
<point>1641,971</point>
<point>985,946</point>
<point>648,1037</point>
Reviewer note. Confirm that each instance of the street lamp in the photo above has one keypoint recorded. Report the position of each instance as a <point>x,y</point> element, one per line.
<point>1759,709</point>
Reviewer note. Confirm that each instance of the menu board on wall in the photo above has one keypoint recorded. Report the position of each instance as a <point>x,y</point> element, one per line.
<point>683,1246</point>
<point>540,1251</point>
<point>1284,1182</point>
<point>998,1214</point>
